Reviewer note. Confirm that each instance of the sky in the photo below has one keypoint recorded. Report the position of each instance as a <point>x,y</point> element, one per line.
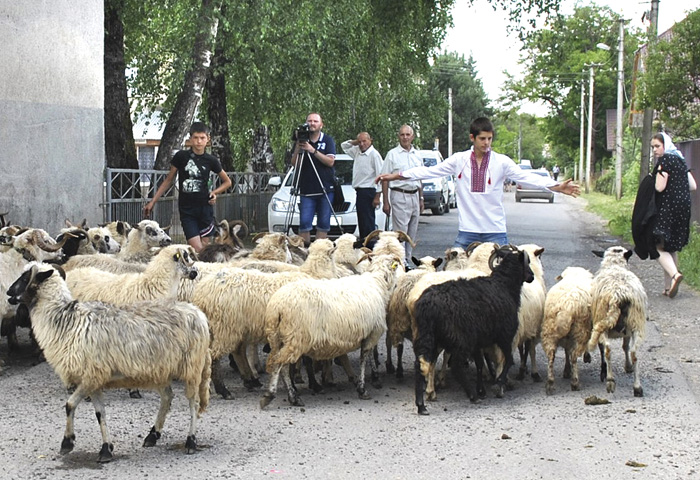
<point>494,50</point>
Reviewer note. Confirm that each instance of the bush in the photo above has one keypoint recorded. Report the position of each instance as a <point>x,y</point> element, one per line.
<point>606,183</point>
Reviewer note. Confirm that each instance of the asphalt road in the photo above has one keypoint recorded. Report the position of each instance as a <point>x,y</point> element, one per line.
<point>525,435</point>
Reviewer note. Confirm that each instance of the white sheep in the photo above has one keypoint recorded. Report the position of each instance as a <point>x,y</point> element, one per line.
<point>347,254</point>
<point>234,300</point>
<point>119,231</point>
<point>398,318</point>
<point>97,346</point>
<point>531,313</point>
<point>103,261</point>
<point>32,244</point>
<point>323,319</point>
<point>160,279</point>
<point>619,308</point>
<point>142,238</point>
<point>567,322</point>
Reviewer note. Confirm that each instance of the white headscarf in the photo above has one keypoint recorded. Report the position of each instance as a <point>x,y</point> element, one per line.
<point>669,147</point>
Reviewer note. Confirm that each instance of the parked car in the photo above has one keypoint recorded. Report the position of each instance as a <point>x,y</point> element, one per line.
<point>280,216</point>
<point>452,195</point>
<point>436,192</point>
<point>523,192</point>
<point>525,164</point>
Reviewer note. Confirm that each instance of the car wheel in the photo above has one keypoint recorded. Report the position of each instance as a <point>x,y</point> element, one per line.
<point>447,207</point>
<point>441,207</point>
<point>551,199</point>
<point>517,199</point>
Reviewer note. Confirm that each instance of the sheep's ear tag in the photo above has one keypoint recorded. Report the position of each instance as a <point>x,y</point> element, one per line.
<point>177,256</point>
<point>395,265</point>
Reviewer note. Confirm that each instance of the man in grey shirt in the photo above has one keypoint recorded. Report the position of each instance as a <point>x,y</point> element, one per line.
<point>366,167</point>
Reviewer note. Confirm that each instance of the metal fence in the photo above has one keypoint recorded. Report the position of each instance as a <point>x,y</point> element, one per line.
<point>126,191</point>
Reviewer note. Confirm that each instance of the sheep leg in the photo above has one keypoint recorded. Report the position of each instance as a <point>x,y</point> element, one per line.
<point>421,368</point>
<point>430,391</point>
<point>107,445</point>
<point>374,375</point>
<point>166,399</point>
<point>638,391</point>
<point>522,350</point>
<point>534,374</point>
<point>347,368</point>
<point>629,367</point>
<point>191,441</point>
<point>442,377</point>
<point>292,394</point>
<point>460,372</point>
<point>250,379</point>
<point>551,354</point>
<point>502,380</point>
<point>218,381</point>
<point>389,365</point>
<point>272,385</point>
<point>313,383</point>
<point>609,378</point>
<point>253,354</point>
<point>603,363</point>
<point>361,391</point>
<point>399,360</point>
<point>567,364</point>
<point>327,373</point>
<point>69,436</point>
<point>572,357</point>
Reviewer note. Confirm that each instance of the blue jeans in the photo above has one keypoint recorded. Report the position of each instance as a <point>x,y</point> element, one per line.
<point>319,205</point>
<point>464,239</point>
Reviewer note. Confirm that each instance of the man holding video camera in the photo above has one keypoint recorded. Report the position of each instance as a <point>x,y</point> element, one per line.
<point>315,152</point>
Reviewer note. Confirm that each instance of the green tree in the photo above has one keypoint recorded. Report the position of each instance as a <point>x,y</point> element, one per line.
<point>521,136</point>
<point>556,62</point>
<point>469,100</point>
<point>672,78</point>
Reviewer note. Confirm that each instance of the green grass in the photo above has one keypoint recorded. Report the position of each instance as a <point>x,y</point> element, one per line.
<point>619,217</point>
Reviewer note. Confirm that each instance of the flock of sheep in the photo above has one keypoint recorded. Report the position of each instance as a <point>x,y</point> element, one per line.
<point>120,306</point>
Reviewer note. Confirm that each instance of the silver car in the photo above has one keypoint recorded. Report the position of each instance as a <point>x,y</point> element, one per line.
<point>523,192</point>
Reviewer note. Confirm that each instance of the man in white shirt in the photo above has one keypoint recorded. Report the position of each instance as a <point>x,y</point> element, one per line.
<point>403,197</point>
<point>366,167</point>
<point>479,174</point>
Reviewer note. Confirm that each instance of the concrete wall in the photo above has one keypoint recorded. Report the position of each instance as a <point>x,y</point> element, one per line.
<point>51,112</point>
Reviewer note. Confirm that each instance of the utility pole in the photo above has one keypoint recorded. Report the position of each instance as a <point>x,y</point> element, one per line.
<point>648,112</point>
<point>591,81</point>
<point>449,122</point>
<point>618,133</point>
<point>582,145</point>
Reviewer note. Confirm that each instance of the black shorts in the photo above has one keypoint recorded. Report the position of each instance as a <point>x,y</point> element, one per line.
<point>197,221</point>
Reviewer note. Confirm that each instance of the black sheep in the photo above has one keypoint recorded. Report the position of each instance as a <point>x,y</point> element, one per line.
<point>466,315</point>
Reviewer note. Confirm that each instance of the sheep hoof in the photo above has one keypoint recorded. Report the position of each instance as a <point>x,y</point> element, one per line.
<point>629,368</point>
<point>638,392</point>
<point>520,375</point>
<point>422,410</point>
<point>586,357</point>
<point>390,368</point>
<point>190,445</point>
<point>223,391</point>
<point>296,401</point>
<point>566,374</point>
<point>575,387</point>
<point>106,453</point>
<point>610,386</point>
<point>151,438</point>
<point>363,394</point>
<point>135,394</point>
<point>499,391</point>
<point>252,384</point>
<point>550,388</point>
<point>482,393</point>
<point>603,372</point>
<point>67,444</point>
<point>536,377</point>
<point>265,400</point>
<point>431,396</point>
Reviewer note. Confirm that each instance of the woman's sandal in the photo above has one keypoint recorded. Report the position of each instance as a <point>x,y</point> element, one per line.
<point>675,283</point>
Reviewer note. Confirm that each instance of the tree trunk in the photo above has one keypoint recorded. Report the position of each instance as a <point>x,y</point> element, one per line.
<point>188,99</point>
<point>261,158</point>
<point>217,111</point>
<point>120,151</point>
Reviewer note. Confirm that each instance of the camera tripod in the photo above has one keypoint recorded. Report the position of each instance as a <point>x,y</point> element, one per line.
<point>294,192</point>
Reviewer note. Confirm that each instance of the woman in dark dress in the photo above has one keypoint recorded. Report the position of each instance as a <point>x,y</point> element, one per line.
<point>673,184</point>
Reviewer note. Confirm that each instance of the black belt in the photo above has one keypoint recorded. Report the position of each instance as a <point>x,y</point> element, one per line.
<point>410,192</point>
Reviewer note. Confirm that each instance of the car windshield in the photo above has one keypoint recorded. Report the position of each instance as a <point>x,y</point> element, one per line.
<point>343,170</point>
<point>429,162</point>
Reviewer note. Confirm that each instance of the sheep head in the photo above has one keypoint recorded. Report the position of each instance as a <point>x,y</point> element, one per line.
<point>616,255</point>
<point>24,289</point>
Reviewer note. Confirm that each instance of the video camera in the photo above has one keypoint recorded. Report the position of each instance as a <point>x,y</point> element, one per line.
<point>302,133</point>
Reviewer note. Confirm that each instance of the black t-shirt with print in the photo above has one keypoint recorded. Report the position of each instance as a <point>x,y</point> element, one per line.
<point>193,176</point>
